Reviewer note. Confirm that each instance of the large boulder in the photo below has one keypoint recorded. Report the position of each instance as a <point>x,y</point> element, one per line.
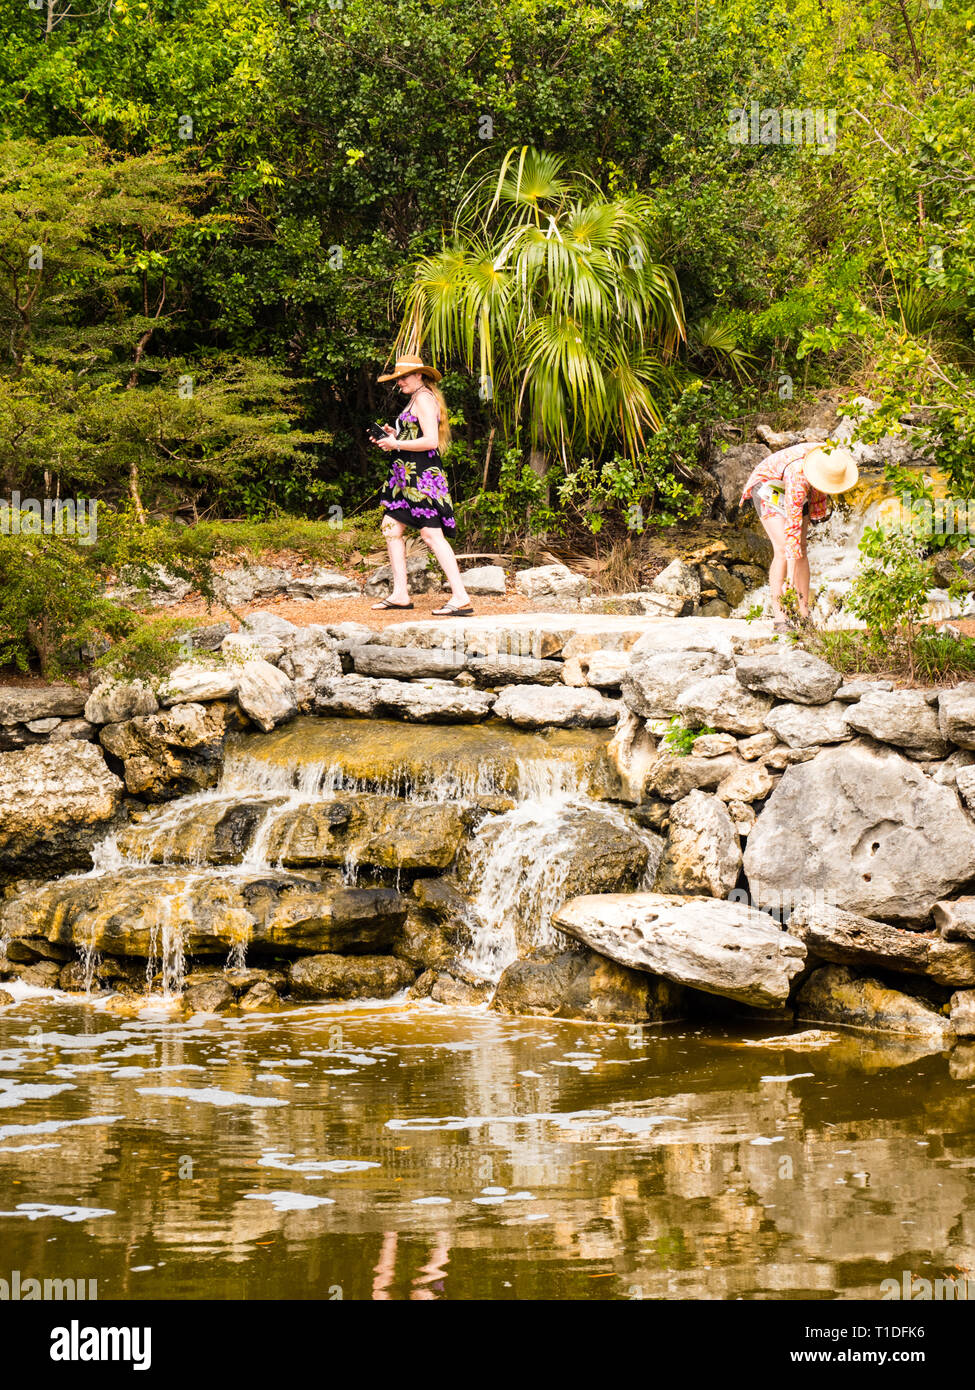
<point>865,827</point>
<point>956,714</point>
<point>245,583</point>
<point>56,802</point>
<point>788,673</point>
<point>406,663</point>
<point>310,660</point>
<point>711,944</point>
<point>955,919</point>
<point>421,702</point>
<point>847,938</point>
<point>559,706</point>
<point>582,984</point>
<point>173,753</point>
<point>703,854</point>
<point>266,695</point>
<point>835,994</point>
<point>902,717</point>
<point>343,977</point>
<point>113,701</point>
<point>550,581</point>
<point>809,726</point>
<point>200,680</point>
<point>723,702</point>
<point>652,686</point>
<point>21,705</point>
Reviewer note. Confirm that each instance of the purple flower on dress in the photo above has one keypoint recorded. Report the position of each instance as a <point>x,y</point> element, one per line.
<point>398,476</point>
<point>433,483</point>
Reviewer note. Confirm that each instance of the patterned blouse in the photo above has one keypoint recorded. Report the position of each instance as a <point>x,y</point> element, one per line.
<point>785,466</point>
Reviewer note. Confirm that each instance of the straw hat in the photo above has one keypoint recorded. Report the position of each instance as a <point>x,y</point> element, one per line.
<point>830,470</point>
<point>407,364</point>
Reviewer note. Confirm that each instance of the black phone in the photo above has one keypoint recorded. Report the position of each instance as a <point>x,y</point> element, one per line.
<point>376,431</point>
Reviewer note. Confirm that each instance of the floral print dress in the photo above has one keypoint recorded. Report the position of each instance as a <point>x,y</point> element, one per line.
<point>417,492</point>
<point>778,486</point>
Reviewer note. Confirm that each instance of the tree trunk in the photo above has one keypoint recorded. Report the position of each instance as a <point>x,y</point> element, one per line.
<point>135,493</point>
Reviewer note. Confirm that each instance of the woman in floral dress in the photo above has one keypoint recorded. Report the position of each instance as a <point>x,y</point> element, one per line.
<point>417,494</point>
<point>790,489</point>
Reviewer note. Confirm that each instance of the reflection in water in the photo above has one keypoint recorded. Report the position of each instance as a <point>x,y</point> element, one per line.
<point>410,1153</point>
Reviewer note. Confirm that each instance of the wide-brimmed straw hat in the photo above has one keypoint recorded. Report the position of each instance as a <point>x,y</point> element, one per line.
<point>830,470</point>
<point>405,365</point>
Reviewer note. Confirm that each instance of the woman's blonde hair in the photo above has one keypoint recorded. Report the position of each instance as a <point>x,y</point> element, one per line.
<point>438,396</point>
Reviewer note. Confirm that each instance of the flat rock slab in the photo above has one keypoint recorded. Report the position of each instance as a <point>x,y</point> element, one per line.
<point>846,938</point>
<point>562,707</point>
<point>711,944</point>
<point>788,673</point>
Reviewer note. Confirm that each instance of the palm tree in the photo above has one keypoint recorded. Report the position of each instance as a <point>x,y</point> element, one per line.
<point>550,291</point>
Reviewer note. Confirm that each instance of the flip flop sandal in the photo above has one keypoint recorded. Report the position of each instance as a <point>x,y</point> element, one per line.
<point>448,611</point>
<point>381,607</point>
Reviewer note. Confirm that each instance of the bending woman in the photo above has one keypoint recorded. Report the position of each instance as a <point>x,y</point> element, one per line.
<point>416,494</point>
<point>789,489</point>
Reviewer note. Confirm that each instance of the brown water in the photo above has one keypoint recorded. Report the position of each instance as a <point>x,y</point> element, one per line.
<point>410,1152</point>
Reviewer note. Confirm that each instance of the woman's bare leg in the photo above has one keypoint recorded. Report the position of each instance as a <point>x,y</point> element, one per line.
<point>396,546</point>
<point>800,573</point>
<point>775,530</point>
<point>439,544</point>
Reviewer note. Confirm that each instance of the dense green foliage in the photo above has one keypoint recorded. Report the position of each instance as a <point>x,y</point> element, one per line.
<point>236,197</point>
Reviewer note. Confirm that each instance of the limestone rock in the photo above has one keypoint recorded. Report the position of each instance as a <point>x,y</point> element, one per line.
<point>485,579</point>
<point>956,714</point>
<point>788,673</point>
<point>56,801</point>
<point>266,695</point>
<point>710,944</point>
<point>703,854</point>
<point>168,754</point>
<point>349,977</point>
<point>200,680</point>
<point>713,745</point>
<point>407,663</point>
<point>310,660</point>
<point>260,998</point>
<point>606,669</point>
<point>245,583</point>
<point>847,938</point>
<point>679,579</point>
<point>433,702</point>
<point>757,745</point>
<point>962,1015</point>
<point>834,994</point>
<point>856,689</point>
<point>19,706</point>
<point>750,782</point>
<point>724,703</point>
<point>323,584</point>
<point>514,670</point>
<point>114,701</point>
<point>237,648</point>
<point>211,996</point>
<point>421,578</point>
<point>528,707</point>
<point>810,726</point>
<point>550,581</point>
<point>867,828</point>
<point>632,751</point>
<point>673,776</point>
<point>653,685</point>
<point>582,984</point>
<point>901,717</point>
<point>955,919</point>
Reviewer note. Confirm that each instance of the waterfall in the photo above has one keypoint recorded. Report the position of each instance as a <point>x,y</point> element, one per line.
<point>520,864</point>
